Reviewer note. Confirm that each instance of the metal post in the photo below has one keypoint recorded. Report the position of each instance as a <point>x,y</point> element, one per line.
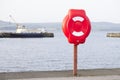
<point>75,61</point>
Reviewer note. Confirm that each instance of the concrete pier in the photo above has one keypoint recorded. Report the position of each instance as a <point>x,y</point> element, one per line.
<point>113,35</point>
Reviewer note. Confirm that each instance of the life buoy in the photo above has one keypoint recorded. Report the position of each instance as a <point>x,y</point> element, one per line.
<point>76,26</point>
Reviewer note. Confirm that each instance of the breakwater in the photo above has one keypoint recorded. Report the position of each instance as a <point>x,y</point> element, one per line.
<point>113,35</point>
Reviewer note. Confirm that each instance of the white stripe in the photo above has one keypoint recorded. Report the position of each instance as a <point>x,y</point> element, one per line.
<point>77,33</point>
<point>78,18</point>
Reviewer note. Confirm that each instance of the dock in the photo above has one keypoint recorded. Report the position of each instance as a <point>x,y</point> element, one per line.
<point>116,35</point>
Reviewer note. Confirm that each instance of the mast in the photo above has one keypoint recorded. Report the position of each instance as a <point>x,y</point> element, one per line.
<point>19,26</point>
<point>14,20</point>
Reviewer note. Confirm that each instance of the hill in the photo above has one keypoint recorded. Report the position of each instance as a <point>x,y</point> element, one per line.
<point>99,26</point>
<point>105,26</point>
<point>6,25</point>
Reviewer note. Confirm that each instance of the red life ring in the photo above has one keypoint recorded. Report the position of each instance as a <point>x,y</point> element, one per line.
<point>76,26</point>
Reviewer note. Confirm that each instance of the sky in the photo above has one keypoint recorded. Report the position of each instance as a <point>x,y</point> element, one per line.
<point>37,11</point>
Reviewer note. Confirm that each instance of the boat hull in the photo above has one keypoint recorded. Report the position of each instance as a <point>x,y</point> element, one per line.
<point>25,35</point>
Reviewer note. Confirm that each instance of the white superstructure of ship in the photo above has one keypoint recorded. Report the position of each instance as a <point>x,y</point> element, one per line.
<point>23,29</point>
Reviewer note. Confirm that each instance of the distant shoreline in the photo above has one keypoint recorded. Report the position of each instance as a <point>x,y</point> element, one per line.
<point>67,73</point>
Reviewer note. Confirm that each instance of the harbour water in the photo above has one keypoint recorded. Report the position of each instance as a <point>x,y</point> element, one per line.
<point>48,54</point>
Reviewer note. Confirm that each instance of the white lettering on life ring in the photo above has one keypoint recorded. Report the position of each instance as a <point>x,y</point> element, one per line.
<point>78,18</point>
<point>77,33</point>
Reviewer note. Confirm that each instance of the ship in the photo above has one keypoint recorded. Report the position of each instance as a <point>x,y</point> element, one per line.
<point>23,32</point>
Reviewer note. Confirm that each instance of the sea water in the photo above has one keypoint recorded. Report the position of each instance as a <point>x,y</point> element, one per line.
<point>49,54</point>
